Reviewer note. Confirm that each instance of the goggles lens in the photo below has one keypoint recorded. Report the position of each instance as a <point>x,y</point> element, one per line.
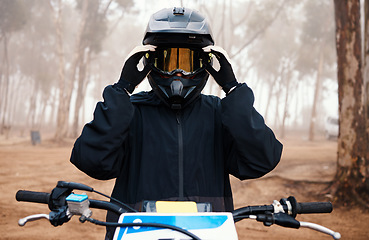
<point>170,59</point>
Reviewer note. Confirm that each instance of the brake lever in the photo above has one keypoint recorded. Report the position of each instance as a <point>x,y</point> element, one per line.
<point>23,221</point>
<point>317,227</point>
<point>281,219</point>
<point>284,220</point>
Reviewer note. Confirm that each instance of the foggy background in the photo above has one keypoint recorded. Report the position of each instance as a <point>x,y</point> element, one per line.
<point>58,55</point>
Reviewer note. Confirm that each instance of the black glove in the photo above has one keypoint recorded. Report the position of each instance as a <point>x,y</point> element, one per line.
<point>131,76</point>
<point>225,76</point>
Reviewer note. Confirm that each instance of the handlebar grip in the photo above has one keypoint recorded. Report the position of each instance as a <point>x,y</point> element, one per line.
<point>314,207</point>
<point>30,196</point>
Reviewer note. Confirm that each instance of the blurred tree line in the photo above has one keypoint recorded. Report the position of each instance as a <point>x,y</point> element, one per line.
<point>57,56</point>
<point>48,54</point>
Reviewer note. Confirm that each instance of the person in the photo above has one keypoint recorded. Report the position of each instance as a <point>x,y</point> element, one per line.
<point>173,142</point>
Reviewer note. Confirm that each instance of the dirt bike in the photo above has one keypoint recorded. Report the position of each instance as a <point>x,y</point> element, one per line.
<point>168,220</point>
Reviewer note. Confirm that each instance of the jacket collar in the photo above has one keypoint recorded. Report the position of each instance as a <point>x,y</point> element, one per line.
<point>145,98</point>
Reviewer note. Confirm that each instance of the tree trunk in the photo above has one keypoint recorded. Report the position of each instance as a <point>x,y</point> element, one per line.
<point>41,116</point>
<point>276,126</point>
<point>351,180</point>
<point>61,114</point>
<point>366,65</point>
<point>18,116</point>
<point>2,89</point>
<point>81,90</point>
<point>271,84</point>
<point>77,62</point>
<point>4,123</point>
<point>316,97</point>
<point>286,100</point>
<point>32,112</point>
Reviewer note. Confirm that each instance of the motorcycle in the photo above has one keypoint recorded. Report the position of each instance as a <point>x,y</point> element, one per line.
<point>160,220</point>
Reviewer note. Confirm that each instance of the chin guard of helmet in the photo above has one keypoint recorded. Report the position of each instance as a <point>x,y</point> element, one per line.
<point>177,92</point>
<point>176,87</point>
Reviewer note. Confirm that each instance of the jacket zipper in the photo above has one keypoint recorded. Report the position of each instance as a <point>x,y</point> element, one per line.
<point>180,157</point>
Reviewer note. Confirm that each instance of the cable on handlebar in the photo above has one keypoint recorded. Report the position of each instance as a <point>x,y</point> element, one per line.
<point>289,205</point>
<point>240,217</point>
<point>80,186</point>
<point>117,201</point>
<point>244,211</point>
<point>157,225</point>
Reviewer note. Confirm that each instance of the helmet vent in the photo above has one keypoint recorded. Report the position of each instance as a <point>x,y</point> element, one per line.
<point>178,11</point>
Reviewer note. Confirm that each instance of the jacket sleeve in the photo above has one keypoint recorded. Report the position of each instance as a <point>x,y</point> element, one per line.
<point>99,151</point>
<point>250,146</point>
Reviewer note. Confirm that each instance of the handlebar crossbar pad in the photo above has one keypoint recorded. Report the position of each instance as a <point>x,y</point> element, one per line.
<point>30,196</point>
<point>314,207</point>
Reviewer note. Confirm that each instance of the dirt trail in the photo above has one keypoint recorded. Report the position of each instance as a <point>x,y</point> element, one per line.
<point>304,172</point>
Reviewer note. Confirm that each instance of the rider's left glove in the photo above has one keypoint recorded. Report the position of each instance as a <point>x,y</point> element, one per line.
<point>131,76</point>
<point>225,76</point>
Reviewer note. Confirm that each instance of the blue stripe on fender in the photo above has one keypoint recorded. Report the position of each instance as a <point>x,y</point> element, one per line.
<point>185,222</point>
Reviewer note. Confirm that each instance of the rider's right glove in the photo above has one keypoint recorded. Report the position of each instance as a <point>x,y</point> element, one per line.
<point>225,76</point>
<point>131,76</point>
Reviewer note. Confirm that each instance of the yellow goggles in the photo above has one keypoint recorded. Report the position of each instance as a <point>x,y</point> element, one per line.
<point>170,59</point>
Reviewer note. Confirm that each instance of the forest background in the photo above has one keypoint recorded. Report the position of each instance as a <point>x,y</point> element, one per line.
<point>58,55</point>
<point>306,61</point>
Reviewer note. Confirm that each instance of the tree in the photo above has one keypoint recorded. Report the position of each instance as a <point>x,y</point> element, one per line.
<point>366,64</point>
<point>12,18</point>
<point>31,49</point>
<point>61,112</point>
<point>93,31</point>
<point>90,33</point>
<point>317,51</point>
<point>236,29</point>
<point>275,60</point>
<point>351,182</point>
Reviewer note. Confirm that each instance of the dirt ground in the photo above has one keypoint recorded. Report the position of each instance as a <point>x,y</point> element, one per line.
<point>305,171</point>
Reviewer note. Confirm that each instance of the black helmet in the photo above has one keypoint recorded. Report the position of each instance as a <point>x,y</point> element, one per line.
<point>178,64</point>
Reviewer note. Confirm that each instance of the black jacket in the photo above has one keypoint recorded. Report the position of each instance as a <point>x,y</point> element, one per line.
<point>156,153</point>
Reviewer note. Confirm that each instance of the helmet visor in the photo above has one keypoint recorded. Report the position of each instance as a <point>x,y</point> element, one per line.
<point>170,59</point>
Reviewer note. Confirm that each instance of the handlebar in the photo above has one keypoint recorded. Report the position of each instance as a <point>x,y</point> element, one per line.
<point>289,206</point>
<point>43,197</point>
<point>300,208</point>
<point>314,207</point>
<point>281,212</point>
<point>31,196</point>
